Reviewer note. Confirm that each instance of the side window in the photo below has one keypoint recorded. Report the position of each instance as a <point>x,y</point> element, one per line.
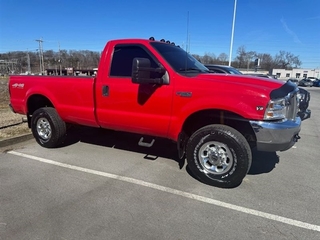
<point>122,59</point>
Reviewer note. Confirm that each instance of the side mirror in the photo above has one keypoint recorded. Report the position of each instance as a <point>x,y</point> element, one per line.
<point>141,72</point>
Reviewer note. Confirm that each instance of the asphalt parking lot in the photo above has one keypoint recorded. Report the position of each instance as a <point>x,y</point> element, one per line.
<point>102,185</point>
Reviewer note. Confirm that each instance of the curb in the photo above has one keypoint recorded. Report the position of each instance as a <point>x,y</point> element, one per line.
<point>15,140</point>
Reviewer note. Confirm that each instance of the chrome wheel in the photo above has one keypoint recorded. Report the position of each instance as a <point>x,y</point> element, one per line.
<point>215,157</point>
<point>44,128</point>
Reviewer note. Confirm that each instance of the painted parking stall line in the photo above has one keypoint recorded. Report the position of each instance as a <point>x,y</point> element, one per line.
<point>195,197</point>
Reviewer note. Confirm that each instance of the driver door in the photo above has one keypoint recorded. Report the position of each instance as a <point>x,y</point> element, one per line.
<point>123,105</point>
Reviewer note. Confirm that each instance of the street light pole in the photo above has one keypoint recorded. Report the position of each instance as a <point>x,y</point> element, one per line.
<point>232,31</point>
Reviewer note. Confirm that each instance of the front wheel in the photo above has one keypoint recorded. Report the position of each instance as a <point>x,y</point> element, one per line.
<point>47,127</point>
<point>219,155</point>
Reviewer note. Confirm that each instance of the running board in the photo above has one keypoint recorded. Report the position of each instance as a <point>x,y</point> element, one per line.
<point>145,144</point>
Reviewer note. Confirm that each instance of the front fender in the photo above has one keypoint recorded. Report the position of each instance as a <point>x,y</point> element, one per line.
<point>245,108</point>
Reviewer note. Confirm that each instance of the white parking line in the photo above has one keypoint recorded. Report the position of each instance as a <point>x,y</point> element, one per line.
<point>176,192</point>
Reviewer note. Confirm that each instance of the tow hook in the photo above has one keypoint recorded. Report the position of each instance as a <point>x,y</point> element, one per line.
<point>296,137</point>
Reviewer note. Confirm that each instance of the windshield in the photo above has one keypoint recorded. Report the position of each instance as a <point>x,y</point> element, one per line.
<point>234,71</point>
<point>179,59</point>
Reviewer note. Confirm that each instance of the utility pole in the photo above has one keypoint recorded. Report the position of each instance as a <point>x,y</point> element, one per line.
<point>28,60</point>
<point>41,56</point>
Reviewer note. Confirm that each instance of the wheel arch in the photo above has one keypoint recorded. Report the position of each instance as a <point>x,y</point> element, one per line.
<point>203,118</point>
<point>35,102</point>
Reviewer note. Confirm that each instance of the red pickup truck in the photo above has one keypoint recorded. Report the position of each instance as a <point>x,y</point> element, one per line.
<point>156,89</point>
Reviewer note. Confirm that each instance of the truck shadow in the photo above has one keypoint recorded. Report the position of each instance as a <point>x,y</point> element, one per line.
<point>262,162</point>
<point>123,141</point>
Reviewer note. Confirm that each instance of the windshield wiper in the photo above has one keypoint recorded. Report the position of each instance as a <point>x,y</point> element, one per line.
<point>190,69</point>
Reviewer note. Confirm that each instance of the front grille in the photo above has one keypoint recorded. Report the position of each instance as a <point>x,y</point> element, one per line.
<point>293,105</point>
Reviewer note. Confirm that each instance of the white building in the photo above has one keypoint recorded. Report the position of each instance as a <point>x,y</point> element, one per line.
<point>298,73</point>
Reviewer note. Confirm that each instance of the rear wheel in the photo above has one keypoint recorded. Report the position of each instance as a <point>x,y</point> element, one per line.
<point>219,155</point>
<point>47,127</point>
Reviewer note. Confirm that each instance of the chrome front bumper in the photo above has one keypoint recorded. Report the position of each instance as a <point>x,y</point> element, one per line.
<point>276,136</point>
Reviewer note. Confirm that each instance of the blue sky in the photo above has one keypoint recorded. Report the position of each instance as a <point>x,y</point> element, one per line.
<point>264,26</point>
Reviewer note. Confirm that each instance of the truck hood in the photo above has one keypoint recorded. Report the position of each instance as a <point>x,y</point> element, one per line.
<point>245,95</point>
<point>266,86</point>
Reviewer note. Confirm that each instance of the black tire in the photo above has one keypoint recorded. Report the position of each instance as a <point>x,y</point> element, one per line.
<point>219,155</point>
<point>48,128</point>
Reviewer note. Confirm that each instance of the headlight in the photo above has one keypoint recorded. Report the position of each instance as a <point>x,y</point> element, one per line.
<point>276,109</point>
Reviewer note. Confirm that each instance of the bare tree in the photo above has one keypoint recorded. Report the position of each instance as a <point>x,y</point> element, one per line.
<point>222,58</point>
<point>266,61</point>
<point>286,60</point>
<point>197,56</point>
<point>85,59</point>
<point>208,58</point>
<point>249,58</point>
<point>240,58</point>
<point>245,59</point>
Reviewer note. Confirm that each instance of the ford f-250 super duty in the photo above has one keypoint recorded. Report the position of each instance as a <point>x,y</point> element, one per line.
<point>156,89</point>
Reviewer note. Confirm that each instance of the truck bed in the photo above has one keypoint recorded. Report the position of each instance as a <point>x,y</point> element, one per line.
<point>77,106</point>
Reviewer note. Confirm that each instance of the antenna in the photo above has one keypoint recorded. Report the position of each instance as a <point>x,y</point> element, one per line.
<point>60,73</point>
<point>187,42</point>
<point>188,36</point>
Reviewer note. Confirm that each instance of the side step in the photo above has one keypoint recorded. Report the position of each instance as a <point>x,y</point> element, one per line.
<point>146,144</point>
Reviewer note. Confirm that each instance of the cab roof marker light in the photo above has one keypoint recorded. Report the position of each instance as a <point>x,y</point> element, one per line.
<point>165,41</point>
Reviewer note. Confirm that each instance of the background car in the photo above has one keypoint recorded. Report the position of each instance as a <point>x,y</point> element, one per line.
<point>222,69</point>
<point>312,78</point>
<point>294,80</point>
<point>305,83</point>
<point>261,75</point>
<point>316,83</point>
